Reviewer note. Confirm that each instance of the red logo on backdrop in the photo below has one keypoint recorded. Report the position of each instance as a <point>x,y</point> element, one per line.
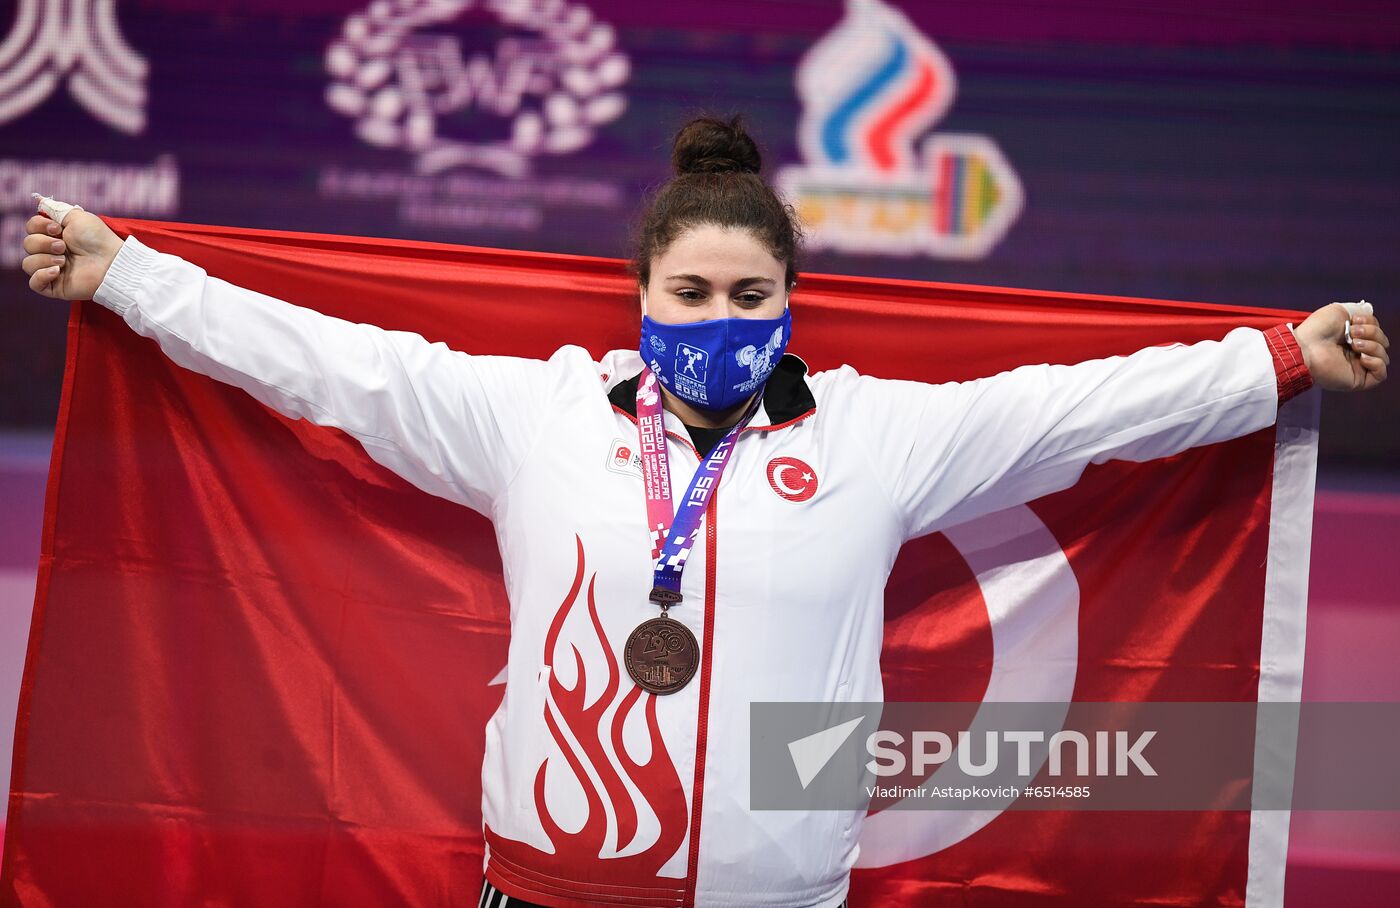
<point>792,479</point>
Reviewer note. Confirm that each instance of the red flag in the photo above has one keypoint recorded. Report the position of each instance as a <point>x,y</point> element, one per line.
<point>260,663</point>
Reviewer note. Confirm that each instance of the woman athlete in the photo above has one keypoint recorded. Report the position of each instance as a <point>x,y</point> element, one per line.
<point>744,559</point>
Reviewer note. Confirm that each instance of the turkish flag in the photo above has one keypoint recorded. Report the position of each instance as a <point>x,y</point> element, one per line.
<point>261,664</point>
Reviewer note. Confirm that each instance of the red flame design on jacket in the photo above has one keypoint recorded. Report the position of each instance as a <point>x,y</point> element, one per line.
<point>656,779</point>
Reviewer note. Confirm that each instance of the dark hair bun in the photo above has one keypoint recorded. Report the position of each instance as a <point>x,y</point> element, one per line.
<point>711,145</point>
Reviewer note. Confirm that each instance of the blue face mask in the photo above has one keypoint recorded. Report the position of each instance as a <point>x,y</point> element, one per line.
<point>718,364</point>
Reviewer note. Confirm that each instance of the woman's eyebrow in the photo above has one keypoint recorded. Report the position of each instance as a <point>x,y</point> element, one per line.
<point>754,280</point>
<point>689,279</point>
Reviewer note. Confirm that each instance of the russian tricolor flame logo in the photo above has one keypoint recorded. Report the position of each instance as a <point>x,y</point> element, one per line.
<point>870,90</point>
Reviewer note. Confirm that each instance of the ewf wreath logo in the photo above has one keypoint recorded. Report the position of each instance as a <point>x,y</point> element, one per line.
<point>555,77</point>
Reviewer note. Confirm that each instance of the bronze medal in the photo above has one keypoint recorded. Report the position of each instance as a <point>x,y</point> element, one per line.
<point>661,655</point>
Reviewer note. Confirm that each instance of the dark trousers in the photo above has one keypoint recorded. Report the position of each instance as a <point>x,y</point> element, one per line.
<point>491,897</point>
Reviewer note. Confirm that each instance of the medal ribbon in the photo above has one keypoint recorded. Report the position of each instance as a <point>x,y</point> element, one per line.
<point>674,534</point>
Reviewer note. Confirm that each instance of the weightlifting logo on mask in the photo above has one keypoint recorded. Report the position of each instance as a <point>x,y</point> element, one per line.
<point>759,360</point>
<point>692,367</point>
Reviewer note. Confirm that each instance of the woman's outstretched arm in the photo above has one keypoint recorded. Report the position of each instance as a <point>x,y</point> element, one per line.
<point>455,425</point>
<point>951,452</point>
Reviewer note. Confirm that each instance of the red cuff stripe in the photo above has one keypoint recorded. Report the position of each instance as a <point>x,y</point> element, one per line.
<point>1290,370</point>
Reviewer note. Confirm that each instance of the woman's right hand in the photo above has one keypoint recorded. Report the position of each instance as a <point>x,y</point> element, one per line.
<point>68,262</point>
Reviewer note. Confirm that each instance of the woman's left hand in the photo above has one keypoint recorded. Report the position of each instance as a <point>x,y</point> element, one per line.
<point>1334,365</point>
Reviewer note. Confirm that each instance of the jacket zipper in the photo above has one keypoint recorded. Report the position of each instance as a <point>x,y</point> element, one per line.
<point>697,787</point>
<point>703,723</point>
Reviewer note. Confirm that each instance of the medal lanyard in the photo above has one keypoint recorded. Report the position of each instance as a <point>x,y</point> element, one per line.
<point>674,533</point>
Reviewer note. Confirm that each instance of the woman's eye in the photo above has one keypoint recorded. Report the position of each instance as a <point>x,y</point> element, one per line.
<point>752,300</point>
<point>690,296</point>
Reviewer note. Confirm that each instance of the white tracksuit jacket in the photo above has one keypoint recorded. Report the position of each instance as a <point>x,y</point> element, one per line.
<point>645,799</point>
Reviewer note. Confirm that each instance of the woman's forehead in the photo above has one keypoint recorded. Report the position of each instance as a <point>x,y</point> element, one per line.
<point>718,253</point>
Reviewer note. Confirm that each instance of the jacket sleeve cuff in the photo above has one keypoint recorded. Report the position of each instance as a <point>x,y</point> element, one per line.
<point>1289,368</point>
<point>119,288</point>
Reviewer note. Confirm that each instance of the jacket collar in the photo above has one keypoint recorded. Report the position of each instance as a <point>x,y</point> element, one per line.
<point>786,397</point>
